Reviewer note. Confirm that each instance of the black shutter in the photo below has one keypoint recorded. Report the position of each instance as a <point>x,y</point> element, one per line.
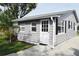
<point>65,26</point>
<point>56,25</point>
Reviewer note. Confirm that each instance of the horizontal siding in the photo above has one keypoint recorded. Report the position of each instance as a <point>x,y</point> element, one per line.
<point>34,37</point>
<point>51,33</point>
<point>63,37</point>
<point>28,35</point>
<point>70,32</point>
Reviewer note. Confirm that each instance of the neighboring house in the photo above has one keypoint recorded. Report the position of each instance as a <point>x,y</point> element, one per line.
<point>48,29</point>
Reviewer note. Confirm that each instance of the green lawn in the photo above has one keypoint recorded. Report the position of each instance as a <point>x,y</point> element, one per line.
<point>77,33</point>
<point>7,48</point>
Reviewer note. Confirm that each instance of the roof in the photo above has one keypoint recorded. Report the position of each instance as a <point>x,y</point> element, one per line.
<point>55,14</point>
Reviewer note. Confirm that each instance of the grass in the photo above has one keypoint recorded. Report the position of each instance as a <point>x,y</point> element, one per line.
<point>7,48</point>
<point>77,33</point>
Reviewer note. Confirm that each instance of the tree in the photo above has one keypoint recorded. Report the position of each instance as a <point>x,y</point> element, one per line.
<point>0,10</point>
<point>18,10</point>
<point>13,11</point>
<point>6,24</point>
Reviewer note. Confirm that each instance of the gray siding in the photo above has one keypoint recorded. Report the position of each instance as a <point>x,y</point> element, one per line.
<point>51,33</point>
<point>28,35</point>
<point>34,37</point>
<point>69,32</point>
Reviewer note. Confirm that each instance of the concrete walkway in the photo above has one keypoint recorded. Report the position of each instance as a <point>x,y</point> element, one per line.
<point>67,48</point>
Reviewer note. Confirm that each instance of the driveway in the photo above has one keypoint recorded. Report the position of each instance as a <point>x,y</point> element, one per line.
<point>67,48</point>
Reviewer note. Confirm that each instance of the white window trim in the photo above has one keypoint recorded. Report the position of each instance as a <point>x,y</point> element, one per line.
<point>61,30</point>
<point>21,30</point>
<point>33,26</point>
<point>41,24</point>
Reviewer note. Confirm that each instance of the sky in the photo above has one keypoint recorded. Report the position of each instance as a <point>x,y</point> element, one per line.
<point>43,8</point>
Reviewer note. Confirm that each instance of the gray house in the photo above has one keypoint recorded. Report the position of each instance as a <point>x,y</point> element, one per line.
<point>47,29</point>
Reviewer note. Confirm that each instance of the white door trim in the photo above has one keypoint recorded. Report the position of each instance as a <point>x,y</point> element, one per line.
<point>41,28</point>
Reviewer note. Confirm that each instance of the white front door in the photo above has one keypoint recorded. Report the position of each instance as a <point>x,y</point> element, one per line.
<point>44,31</point>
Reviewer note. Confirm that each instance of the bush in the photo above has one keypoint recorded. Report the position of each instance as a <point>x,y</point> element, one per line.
<point>10,36</point>
<point>2,36</point>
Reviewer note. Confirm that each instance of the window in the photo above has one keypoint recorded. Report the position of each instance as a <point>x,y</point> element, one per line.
<point>22,28</point>
<point>60,26</point>
<point>71,25</point>
<point>34,26</point>
<point>59,29</point>
<point>45,26</point>
<point>68,24</point>
<point>74,26</point>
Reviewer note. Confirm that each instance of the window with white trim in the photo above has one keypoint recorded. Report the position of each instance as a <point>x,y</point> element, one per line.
<point>34,27</point>
<point>45,26</point>
<point>60,26</point>
<point>22,28</point>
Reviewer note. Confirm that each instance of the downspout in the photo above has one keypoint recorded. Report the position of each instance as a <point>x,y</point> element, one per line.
<point>54,30</point>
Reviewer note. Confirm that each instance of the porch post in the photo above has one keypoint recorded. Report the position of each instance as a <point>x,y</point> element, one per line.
<point>54,31</point>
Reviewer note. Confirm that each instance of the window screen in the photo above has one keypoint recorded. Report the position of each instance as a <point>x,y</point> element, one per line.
<point>34,27</point>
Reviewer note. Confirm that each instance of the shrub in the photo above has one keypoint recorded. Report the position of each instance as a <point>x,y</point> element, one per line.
<point>10,36</point>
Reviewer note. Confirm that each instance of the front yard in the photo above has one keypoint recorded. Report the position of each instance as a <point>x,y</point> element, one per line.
<point>7,48</point>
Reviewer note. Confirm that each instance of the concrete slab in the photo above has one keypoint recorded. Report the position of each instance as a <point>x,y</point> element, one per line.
<point>67,48</point>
